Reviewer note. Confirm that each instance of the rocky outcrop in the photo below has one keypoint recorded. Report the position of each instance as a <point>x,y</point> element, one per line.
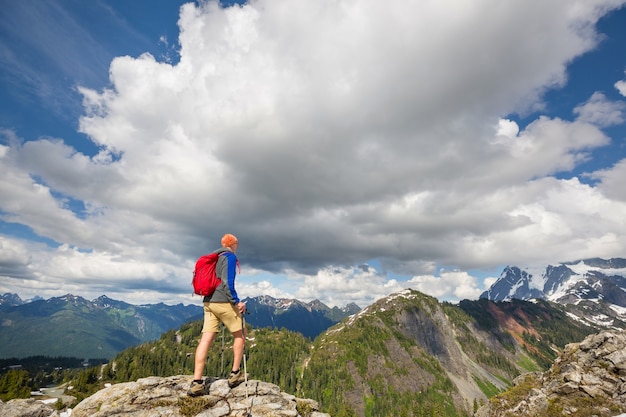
<point>167,397</point>
<point>588,378</point>
<point>26,408</point>
<point>156,396</point>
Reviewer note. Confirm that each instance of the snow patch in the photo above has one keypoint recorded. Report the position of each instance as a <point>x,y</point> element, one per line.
<point>601,320</point>
<point>536,277</point>
<point>575,318</point>
<point>564,288</point>
<point>619,310</point>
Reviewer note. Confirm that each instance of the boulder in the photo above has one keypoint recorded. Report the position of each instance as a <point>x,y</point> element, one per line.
<point>167,397</point>
<point>26,408</point>
<point>588,378</point>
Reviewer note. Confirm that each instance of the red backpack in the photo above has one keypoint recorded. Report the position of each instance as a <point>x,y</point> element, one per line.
<point>205,280</point>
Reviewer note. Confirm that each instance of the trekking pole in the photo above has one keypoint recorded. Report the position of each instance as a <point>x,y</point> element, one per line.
<point>245,369</point>
<point>222,371</point>
<point>243,333</point>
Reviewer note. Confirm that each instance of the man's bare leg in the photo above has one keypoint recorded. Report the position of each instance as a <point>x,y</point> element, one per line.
<point>201,353</point>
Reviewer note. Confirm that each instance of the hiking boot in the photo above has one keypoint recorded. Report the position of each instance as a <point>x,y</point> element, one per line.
<point>198,388</point>
<point>236,378</point>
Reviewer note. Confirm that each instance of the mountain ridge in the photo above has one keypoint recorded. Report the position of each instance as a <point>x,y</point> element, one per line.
<point>310,318</point>
<point>71,325</point>
<point>409,350</point>
<point>405,352</point>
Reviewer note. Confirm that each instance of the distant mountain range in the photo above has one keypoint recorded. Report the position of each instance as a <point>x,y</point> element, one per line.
<point>592,290</point>
<point>76,327</point>
<point>72,326</point>
<point>310,319</point>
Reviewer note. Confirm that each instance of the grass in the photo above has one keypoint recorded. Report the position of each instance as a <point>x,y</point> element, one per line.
<point>190,406</point>
<point>486,387</point>
<point>526,363</point>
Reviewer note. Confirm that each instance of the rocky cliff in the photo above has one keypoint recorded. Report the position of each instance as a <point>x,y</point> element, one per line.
<point>156,396</point>
<point>587,379</point>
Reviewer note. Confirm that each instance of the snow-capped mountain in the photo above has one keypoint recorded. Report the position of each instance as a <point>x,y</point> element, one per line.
<point>592,289</point>
<point>10,300</point>
<point>513,283</point>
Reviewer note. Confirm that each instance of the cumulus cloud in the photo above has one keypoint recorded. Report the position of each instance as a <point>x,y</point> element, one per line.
<point>612,181</point>
<point>507,128</point>
<point>600,111</point>
<point>326,134</point>
<point>621,87</point>
<point>454,285</point>
<point>342,285</point>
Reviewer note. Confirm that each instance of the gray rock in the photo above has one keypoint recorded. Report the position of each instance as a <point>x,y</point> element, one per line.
<point>588,378</point>
<point>167,397</point>
<point>26,408</point>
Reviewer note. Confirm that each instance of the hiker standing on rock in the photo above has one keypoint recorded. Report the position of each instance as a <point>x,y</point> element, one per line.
<point>222,306</point>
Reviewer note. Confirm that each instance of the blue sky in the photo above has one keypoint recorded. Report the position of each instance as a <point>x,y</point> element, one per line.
<point>355,148</point>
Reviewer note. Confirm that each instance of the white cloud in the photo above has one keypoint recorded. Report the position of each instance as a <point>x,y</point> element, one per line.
<point>489,281</point>
<point>507,128</point>
<point>612,181</point>
<point>14,257</point>
<point>339,286</point>
<point>259,288</point>
<point>31,269</point>
<point>621,87</point>
<point>564,219</point>
<point>600,111</point>
<point>449,285</point>
<point>325,133</point>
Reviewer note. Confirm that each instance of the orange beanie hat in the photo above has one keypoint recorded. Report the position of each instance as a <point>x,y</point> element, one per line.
<point>228,240</point>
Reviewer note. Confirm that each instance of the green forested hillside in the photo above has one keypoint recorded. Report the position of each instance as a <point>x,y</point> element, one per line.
<point>75,327</point>
<point>272,355</point>
<point>368,366</point>
<point>409,355</point>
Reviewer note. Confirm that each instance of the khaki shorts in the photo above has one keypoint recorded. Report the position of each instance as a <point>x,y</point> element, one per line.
<point>227,313</point>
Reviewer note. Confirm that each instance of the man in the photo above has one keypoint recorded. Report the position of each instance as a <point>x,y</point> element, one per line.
<point>221,306</point>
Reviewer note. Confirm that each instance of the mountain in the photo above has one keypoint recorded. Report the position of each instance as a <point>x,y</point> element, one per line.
<point>565,283</point>
<point>593,290</point>
<point>408,352</point>
<point>10,300</point>
<point>513,283</point>
<point>310,319</point>
<point>73,326</point>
